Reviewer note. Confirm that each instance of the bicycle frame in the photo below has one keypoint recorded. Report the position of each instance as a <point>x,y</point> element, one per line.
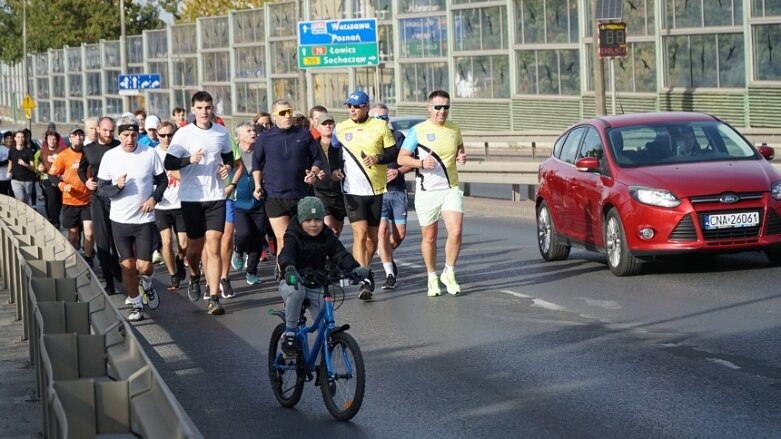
<point>325,325</point>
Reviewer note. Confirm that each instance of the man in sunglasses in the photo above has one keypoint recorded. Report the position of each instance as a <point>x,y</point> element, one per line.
<point>361,147</point>
<point>285,161</point>
<point>434,147</point>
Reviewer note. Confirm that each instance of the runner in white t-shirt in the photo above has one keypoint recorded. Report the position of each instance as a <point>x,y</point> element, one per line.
<point>133,177</point>
<point>201,152</point>
<point>168,214</point>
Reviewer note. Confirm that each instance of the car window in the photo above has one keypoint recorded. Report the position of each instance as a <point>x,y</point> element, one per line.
<point>592,145</point>
<point>559,143</point>
<point>570,148</point>
<point>678,142</point>
<point>406,124</point>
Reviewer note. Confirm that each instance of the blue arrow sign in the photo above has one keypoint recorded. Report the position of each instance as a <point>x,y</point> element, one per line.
<point>139,82</point>
<point>361,30</point>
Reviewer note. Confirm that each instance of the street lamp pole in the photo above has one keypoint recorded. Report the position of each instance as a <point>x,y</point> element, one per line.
<point>123,52</point>
<point>25,67</point>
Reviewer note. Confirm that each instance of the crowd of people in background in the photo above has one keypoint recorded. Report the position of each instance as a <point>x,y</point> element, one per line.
<point>186,192</point>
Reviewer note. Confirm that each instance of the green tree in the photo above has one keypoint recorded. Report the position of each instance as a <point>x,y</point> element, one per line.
<point>189,10</point>
<point>56,23</point>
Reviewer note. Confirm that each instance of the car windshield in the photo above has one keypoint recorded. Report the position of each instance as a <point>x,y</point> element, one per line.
<point>679,142</point>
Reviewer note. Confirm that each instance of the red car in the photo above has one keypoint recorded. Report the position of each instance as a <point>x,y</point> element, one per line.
<point>639,186</point>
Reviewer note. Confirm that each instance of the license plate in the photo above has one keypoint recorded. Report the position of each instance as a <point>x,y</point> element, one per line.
<point>731,220</point>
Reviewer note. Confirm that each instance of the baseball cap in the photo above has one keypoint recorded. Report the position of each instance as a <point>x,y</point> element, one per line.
<point>151,122</point>
<point>357,98</point>
<point>325,117</point>
<point>75,129</point>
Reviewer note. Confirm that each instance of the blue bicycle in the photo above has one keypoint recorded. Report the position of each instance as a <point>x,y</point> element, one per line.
<point>340,374</point>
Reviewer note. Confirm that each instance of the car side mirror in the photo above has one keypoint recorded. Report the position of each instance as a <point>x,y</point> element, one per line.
<point>767,151</point>
<point>587,164</point>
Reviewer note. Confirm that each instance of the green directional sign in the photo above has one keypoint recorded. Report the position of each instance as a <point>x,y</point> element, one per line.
<point>341,55</point>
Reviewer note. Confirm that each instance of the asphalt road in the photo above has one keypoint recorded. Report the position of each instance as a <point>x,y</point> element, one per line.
<point>530,349</point>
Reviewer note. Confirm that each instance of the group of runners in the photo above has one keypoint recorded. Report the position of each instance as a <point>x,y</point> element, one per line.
<point>205,199</point>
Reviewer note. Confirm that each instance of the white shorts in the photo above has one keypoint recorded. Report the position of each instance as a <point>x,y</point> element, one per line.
<point>429,204</point>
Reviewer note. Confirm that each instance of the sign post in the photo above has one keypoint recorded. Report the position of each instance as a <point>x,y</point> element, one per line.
<point>337,43</point>
<point>28,104</point>
<point>612,44</point>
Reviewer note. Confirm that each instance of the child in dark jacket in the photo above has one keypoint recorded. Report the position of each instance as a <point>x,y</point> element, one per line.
<point>307,246</point>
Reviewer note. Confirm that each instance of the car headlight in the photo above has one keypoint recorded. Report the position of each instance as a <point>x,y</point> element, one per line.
<point>655,197</point>
<point>775,190</point>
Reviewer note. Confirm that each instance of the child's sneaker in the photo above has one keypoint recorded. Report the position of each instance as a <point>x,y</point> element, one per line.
<point>136,314</point>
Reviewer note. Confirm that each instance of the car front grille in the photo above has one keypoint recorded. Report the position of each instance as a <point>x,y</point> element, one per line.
<point>773,223</point>
<point>737,233</point>
<point>685,230</point>
<point>715,198</point>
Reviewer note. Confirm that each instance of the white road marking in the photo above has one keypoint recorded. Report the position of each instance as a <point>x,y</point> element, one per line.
<point>725,363</point>
<point>605,304</point>
<point>535,301</point>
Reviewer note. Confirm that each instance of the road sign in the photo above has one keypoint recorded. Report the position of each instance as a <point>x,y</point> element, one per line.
<point>612,40</point>
<point>28,103</point>
<point>338,43</point>
<point>131,84</point>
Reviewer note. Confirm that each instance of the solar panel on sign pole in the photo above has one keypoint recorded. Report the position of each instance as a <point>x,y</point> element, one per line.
<point>609,10</point>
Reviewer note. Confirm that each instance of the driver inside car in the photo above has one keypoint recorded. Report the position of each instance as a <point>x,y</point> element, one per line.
<point>686,144</point>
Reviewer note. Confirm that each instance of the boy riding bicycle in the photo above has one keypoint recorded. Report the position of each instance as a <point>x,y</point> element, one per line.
<point>303,261</point>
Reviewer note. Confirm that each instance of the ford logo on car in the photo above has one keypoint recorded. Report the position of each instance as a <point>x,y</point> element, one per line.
<point>729,198</point>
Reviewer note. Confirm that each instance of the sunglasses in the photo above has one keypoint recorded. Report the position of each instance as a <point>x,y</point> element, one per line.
<point>441,107</point>
<point>166,135</point>
<point>355,106</point>
<point>284,113</point>
<point>382,117</point>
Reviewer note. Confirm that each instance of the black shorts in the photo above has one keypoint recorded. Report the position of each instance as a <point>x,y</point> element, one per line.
<point>167,218</point>
<point>277,207</point>
<point>133,240</point>
<point>334,206</point>
<point>200,216</point>
<point>364,208</point>
<point>74,216</point>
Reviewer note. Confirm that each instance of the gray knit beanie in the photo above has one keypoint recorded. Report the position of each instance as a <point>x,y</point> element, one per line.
<point>310,207</point>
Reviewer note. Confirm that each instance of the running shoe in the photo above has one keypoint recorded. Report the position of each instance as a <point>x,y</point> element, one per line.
<point>136,314</point>
<point>215,308</point>
<point>252,279</point>
<point>194,289</point>
<point>433,287</point>
<point>237,262</point>
<point>264,255</point>
<point>272,246</point>
<point>206,294</point>
<point>390,283</point>
<point>449,279</point>
<point>288,345</point>
<point>175,282</point>
<point>365,293</point>
<point>226,289</point>
<point>128,300</point>
<point>186,263</point>
<point>157,258</point>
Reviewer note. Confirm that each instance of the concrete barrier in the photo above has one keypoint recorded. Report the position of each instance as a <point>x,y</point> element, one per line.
<point>93,376</point>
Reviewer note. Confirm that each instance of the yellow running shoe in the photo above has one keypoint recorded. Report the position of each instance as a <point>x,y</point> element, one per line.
<point>449,279</point>
<point>433,286</point>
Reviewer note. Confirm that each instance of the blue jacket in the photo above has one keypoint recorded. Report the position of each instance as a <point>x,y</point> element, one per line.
<point>283,157</point>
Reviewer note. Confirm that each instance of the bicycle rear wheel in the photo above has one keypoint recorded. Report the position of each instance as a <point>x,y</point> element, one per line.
<point>343,393</point>
<point>286,383</point>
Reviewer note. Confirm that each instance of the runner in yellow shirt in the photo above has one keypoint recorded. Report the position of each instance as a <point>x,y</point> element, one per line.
<point>434,147</point>
<point>360,148</point>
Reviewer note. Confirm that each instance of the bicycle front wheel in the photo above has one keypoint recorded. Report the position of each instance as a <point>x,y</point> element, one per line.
<point>283,373</point>
<point>343,391</point>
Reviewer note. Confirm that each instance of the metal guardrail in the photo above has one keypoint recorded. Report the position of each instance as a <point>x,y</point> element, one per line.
<point>93,376</point>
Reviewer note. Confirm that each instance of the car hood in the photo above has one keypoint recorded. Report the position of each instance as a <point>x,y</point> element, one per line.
<point>692,179</point>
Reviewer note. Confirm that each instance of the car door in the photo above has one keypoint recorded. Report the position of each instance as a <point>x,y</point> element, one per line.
<point>587,189</point>
<point>560,177</point>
